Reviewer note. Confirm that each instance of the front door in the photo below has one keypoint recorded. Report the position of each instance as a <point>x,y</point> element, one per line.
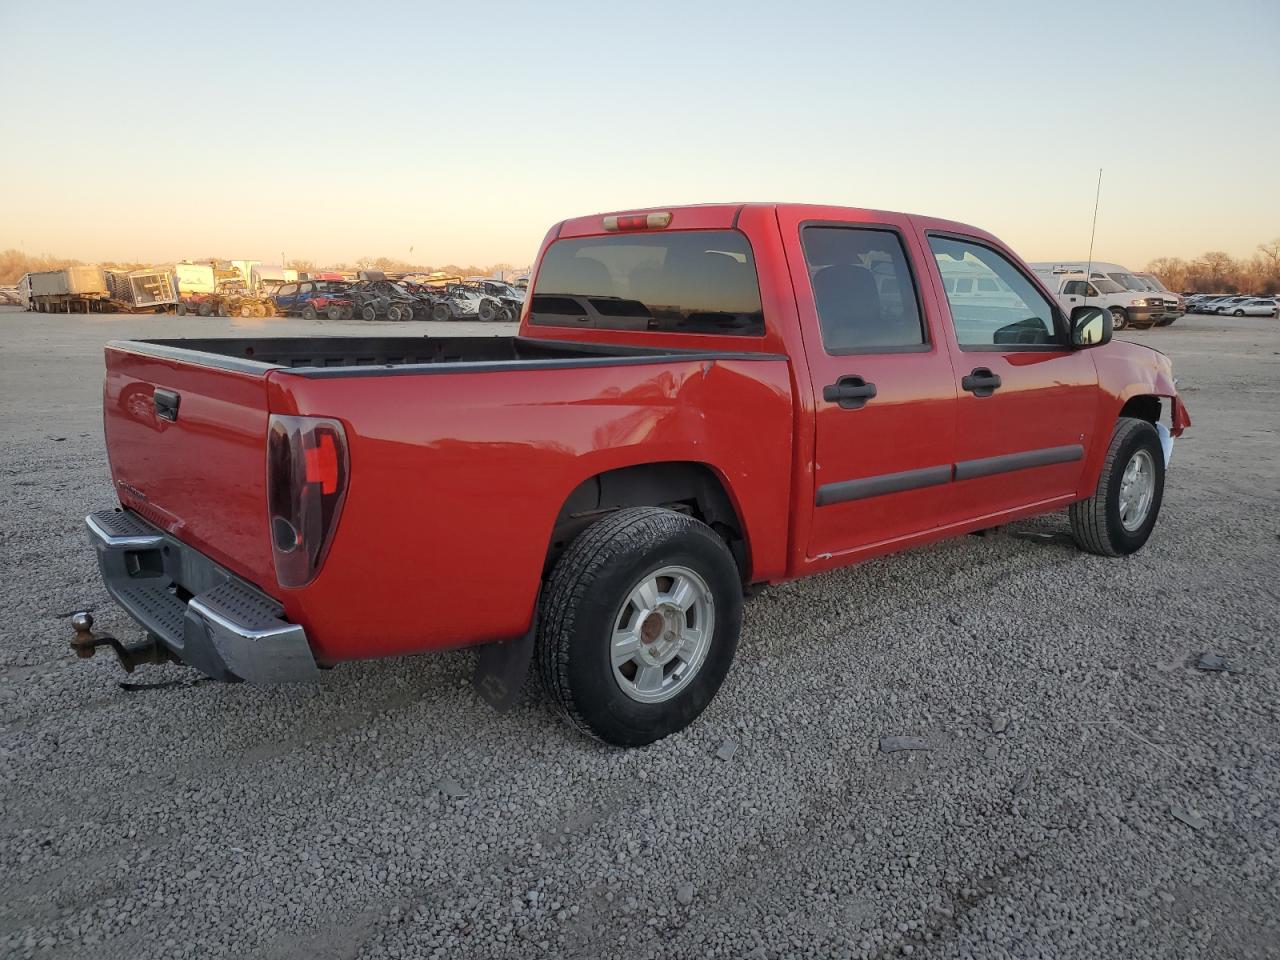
<point>1027,402</point>
<point>883,387</point>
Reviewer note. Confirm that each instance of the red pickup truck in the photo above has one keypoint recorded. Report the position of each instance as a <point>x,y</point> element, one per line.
<point>700,400</point>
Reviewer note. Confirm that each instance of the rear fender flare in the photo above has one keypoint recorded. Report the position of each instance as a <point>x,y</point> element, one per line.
<point>696,485</point>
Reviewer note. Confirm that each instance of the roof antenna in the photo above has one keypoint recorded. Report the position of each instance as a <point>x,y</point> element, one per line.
<point>1088,273</point>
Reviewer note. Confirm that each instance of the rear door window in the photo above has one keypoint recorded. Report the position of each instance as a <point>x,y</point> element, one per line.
<point>863,289</point>
<point>690,281</point>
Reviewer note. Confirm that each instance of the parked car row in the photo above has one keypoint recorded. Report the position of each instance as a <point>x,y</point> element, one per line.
<point>1235,305</point>
<point>374,296</point>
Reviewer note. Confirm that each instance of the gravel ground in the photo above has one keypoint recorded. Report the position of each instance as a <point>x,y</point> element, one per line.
<point>1086,792</point>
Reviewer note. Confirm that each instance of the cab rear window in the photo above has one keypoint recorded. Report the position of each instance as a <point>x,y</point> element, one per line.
<point>691,281</point>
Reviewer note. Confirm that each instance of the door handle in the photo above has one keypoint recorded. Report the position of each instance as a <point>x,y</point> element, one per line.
<point>981,382</point>
<point>850,392</point>
<point>166,403</point>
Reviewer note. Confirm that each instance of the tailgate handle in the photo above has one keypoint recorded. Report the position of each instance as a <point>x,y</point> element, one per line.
<point>167,404</point>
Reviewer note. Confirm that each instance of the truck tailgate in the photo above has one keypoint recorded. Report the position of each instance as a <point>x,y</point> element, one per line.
<point>188,448</point>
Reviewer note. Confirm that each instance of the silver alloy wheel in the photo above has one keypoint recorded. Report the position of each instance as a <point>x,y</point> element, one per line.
<point>1137,490</point>
<point>661,634</point>
<point>1119,319</point>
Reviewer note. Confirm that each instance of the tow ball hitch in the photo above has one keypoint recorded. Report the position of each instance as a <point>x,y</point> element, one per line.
<point>86,643</point>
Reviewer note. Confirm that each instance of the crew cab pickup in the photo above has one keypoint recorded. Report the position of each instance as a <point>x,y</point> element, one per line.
<point>700,400</point>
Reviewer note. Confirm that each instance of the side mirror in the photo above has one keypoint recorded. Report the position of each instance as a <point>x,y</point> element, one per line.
<point>1090,327</point>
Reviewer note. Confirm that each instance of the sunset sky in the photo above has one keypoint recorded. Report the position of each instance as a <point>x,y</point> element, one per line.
<point>332,131</point>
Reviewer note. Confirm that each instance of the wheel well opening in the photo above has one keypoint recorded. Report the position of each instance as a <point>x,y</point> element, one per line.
<point>691,488</point>
<point>1142,408</point>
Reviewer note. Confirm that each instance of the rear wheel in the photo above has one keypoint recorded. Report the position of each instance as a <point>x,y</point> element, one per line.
<point>1238,313</point>
<point>393,313</point>
<point>205,309</point>
<point>441,312</point>
<point>259,310</point>
<point>488,311</point>
<point>639,625</point>
<point>1119,517</point>
<point>334,312</point>
<point>309,312</point>
<point>181,309</point>
<point>368,313</point>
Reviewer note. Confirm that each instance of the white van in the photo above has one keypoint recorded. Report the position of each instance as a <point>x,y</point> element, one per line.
<point>1131,304</point>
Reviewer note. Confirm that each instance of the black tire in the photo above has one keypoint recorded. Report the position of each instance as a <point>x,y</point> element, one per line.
<point>583,600</point>
<point>368,313</point>
<point>1119,318</point>
<point>205,308</point>
<point>180,309</point>
<point>1095,522</point>
<point>488,312</point>
<point>441,312</point>
<point>1237,313</point>
<point>309,312</point>
<point>334,312</point>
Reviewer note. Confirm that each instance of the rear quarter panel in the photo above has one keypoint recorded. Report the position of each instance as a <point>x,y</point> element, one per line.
<point>457,478</point>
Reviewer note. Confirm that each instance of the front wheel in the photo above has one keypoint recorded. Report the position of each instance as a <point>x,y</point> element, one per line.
<point>309,312</point>
<point>1119,319</point>
<point>334,313</point>
<point>1238,313</point>
<point>488,312</point>
<point>1119,517</point>
<point>441,312</point>
<point>639,625</point>
<point>368,313</point>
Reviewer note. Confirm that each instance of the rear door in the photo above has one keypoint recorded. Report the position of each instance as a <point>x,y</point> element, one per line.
<point>1026,402</point>
<point>883,387</point>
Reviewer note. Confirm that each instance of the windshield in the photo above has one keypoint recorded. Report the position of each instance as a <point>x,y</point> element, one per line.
<point>691,281</point>
<point>1154,283</point>
<point>1128,281</point>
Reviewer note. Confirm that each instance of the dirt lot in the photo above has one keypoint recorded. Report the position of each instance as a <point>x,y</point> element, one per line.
<point>1089,792</point>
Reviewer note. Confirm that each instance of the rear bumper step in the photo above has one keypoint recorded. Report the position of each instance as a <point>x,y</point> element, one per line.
<point>227,628</point>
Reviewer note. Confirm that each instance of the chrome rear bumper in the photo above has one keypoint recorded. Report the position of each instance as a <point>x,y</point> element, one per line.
<point>209,617</point>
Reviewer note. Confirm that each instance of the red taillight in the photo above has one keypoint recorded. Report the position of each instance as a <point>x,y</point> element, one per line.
<point>306,485</point>
<point>638,221</point>
<point>322,462</point>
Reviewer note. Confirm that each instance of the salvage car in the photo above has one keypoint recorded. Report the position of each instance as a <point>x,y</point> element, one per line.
<point>700,401</point>
<point>311,298</point>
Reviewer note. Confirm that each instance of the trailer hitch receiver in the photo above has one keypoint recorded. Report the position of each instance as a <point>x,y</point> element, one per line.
<point>86,643</point>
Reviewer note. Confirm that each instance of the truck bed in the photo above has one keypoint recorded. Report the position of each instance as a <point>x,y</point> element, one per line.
<point>330,356</point>
<point>454,443</point>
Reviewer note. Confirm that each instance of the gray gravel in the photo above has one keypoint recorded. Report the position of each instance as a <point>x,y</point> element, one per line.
<point>1088,792</point>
